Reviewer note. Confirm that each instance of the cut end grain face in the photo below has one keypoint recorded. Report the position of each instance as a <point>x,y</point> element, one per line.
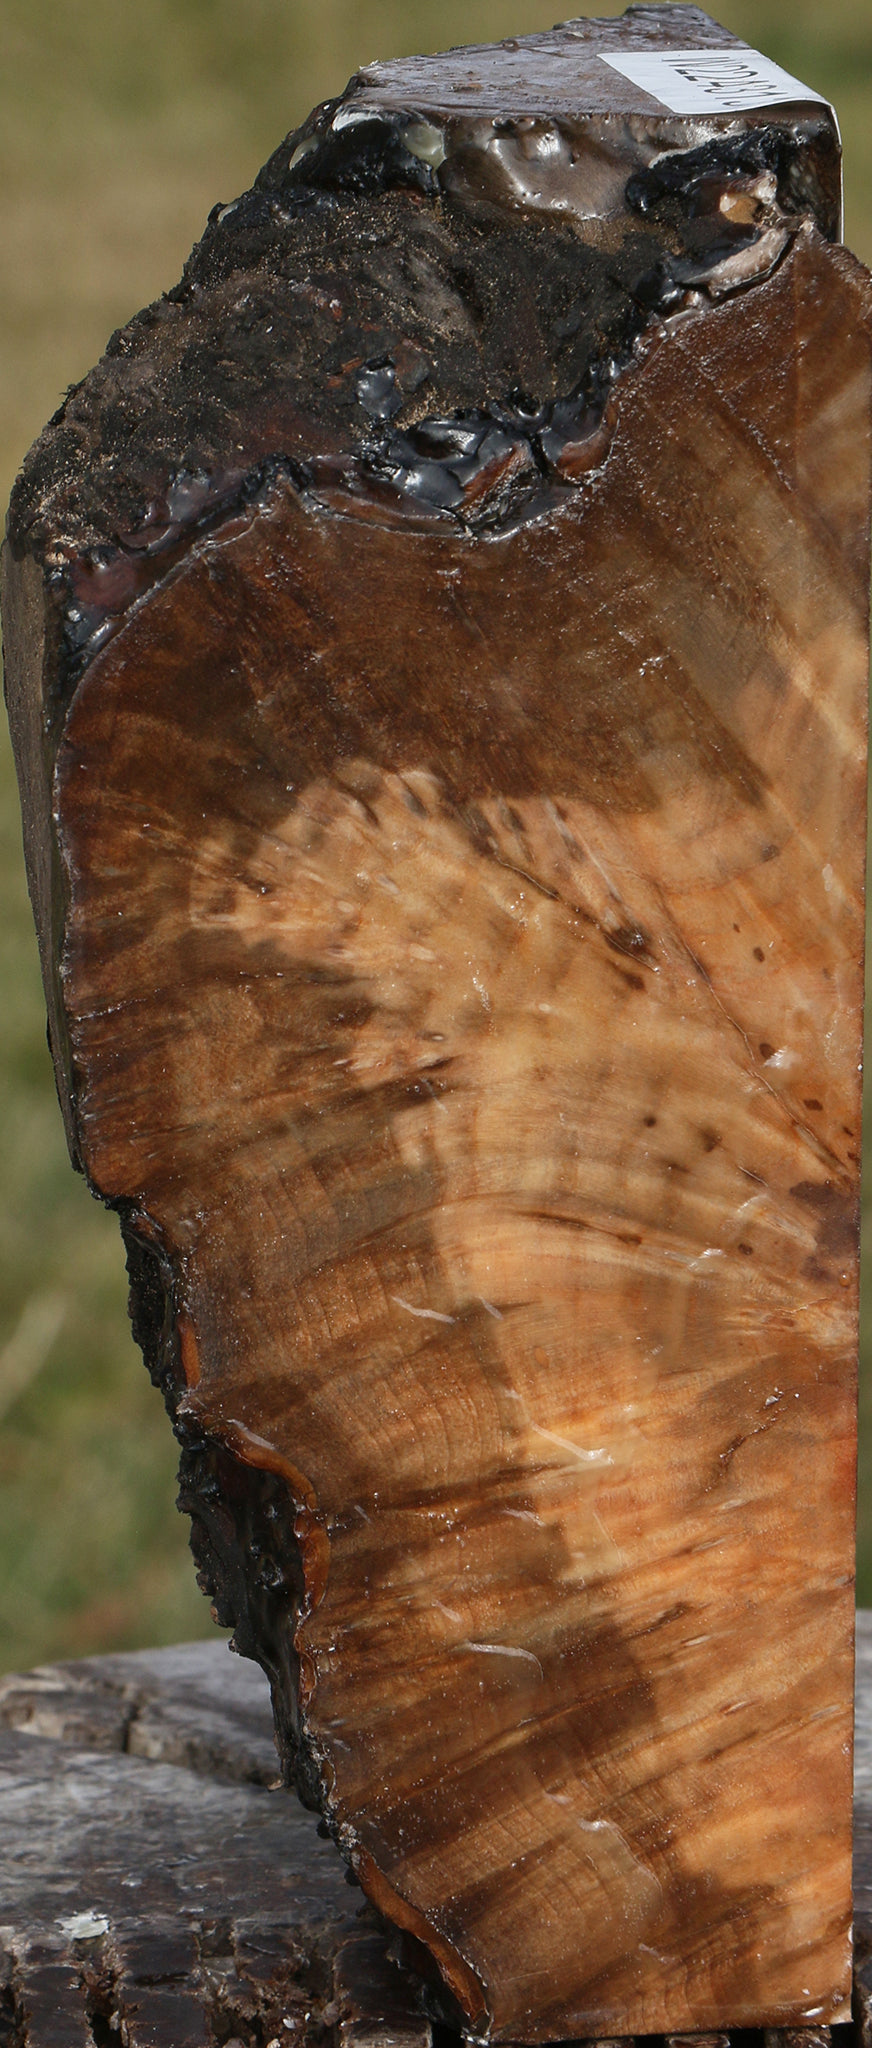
<point>444,622</point>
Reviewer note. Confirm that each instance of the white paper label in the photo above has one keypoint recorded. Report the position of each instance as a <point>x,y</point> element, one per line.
<point>710,81</point>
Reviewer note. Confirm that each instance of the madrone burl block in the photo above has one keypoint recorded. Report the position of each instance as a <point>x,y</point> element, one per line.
<point>436,646</point>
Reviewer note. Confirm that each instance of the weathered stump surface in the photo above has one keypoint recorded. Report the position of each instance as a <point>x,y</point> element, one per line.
<point>436,647</point>
<point>156,1893</point>
<point>152,1889</point>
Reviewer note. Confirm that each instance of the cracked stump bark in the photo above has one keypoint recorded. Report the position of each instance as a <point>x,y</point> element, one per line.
<point>436,646</point>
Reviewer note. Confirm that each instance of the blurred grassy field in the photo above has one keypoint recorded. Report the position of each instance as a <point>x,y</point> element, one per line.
<point>120,126</point>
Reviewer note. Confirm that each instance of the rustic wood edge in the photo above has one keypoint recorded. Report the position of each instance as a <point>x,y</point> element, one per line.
<point>154,1894</point>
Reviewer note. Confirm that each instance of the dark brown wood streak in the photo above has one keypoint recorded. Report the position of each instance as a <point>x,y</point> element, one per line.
<point>159,1888</point>
<point>436,647</point>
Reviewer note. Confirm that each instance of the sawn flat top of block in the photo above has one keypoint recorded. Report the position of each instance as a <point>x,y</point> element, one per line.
<point>558,72</point>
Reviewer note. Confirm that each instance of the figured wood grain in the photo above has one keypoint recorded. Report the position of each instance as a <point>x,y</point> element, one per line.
<point>266,1944</point>
<point>436,640</point>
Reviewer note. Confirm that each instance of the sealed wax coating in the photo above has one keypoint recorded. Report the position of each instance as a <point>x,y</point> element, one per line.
<point>436,644</point>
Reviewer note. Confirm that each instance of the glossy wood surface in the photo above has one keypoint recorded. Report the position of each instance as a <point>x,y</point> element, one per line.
<point>144,1917</point>
<point>451,895</point>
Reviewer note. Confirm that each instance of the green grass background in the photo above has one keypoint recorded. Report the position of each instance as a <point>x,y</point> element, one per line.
<point>120,125</point>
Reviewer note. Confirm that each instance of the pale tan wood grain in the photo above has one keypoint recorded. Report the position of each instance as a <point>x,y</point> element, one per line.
<point>452,906</point>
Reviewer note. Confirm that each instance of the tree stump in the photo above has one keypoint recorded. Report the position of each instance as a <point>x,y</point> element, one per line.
<point>436,646</point>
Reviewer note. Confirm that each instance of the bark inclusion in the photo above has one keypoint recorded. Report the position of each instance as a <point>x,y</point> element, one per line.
<point>449,659</point>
